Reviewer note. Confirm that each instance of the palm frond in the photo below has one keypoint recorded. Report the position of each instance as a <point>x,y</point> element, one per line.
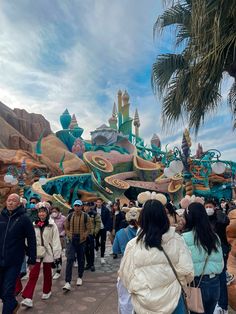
<point>189,83</point>
<point>178,14</point>
<point>232,102</point>
<point>164,68</point>
<point>175,101</point>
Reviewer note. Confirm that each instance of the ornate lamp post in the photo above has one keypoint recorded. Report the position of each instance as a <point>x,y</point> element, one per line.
<point>16,176</point>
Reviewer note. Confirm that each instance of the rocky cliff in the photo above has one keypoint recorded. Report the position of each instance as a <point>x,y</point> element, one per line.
<point>19,128</point>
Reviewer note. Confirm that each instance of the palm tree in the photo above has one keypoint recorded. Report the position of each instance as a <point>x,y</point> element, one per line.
<point>189,82</point>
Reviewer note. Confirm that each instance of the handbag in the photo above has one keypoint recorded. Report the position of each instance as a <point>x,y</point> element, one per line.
<point>41,250</point>
<point>194,295</point>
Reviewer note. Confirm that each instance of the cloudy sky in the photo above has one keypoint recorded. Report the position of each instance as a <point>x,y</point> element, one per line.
<point>76,54</point>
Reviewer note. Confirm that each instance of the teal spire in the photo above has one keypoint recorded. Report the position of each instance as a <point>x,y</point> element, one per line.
<point>65,119</point>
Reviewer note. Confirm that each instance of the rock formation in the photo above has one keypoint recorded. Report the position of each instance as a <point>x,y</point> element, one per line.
<point>54,149</point>
<point>14,158</point>
<point>19,128</point>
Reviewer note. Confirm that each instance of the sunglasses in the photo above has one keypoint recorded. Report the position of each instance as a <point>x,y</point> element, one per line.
<point>32,202</point>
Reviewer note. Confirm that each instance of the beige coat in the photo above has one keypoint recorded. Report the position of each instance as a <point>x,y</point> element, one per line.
<point>149,278</point>
<point>51,241</point>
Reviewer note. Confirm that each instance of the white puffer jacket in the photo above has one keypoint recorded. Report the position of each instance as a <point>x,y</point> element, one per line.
<point>51,241</point>
<point>149,278</point>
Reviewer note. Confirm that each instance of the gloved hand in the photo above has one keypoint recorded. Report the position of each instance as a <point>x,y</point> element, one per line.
<point>57,263</point>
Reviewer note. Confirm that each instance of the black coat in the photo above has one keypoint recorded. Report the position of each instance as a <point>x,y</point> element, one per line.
<point>219,222</point>
<point>15,231</point>
<point>106,218</point>
<point>118,221</point>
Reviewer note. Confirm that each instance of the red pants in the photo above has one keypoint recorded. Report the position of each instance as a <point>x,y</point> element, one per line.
<point>18,286</point>
<point>33,278</point>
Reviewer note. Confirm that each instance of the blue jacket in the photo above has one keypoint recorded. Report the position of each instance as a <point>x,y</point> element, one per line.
<point>14,230</point>
<point>215,262</point>
<point>123,236</point>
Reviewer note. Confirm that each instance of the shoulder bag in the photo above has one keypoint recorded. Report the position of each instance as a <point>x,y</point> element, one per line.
<point>192,295</point>
<point>41,250</point>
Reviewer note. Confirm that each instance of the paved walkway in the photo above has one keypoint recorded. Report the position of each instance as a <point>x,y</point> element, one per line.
<point>97,295</point>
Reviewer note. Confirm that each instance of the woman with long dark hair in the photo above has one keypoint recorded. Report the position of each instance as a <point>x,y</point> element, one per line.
<point>145,270</point>
<point>205,247</point>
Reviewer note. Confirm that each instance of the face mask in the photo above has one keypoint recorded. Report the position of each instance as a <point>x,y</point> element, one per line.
<point>210,211</point>
<point>54,215</point>
<point>32,206</point>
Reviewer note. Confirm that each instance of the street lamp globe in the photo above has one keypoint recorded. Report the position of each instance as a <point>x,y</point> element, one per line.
<point>42,180</point>
<point>218,167</point>
<point>8,178</point>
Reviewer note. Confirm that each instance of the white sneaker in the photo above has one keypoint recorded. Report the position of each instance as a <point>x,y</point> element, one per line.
<point>26,277</point>
<point>75,264</point>
<point>27,302</point>
<point>79,282</point>
<point>219,310</point>
<point>46,296</point>
<point>56,276</point>
<point>67,287</point>
<point>103,261</point>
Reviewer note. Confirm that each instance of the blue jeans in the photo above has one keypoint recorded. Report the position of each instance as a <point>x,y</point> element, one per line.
<point>210,289</point>
<point>8,276</point>
<point>180,309</point>
<point>24,267</point>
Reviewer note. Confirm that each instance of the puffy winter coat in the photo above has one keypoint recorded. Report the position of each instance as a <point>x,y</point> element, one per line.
<point>51,241</point>
<point>215,260</point>
<point>149,278</point>
<point>59,221</point>
<point>95,219</point>
<point>16,230</point>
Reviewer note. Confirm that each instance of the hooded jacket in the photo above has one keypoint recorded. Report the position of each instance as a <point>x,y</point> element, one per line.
<point>16,229</point>
<point>148,276</point>
<point>59,221</point>
<point>51,241</point>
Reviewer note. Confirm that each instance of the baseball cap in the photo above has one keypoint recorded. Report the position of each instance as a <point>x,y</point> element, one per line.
<point>78,202</point>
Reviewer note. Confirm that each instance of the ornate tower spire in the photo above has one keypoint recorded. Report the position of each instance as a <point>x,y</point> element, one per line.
<point>155,141</point>
<point>119,95</point>
<point>73,122</point>
<point>113,119</point>
<point>125,107</point>
<point>136,123</point>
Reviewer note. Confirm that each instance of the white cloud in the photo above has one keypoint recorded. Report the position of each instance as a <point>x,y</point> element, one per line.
<point>77,54</point>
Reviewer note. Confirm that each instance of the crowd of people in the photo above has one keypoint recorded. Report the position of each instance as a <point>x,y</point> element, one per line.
<point>163,249</point>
